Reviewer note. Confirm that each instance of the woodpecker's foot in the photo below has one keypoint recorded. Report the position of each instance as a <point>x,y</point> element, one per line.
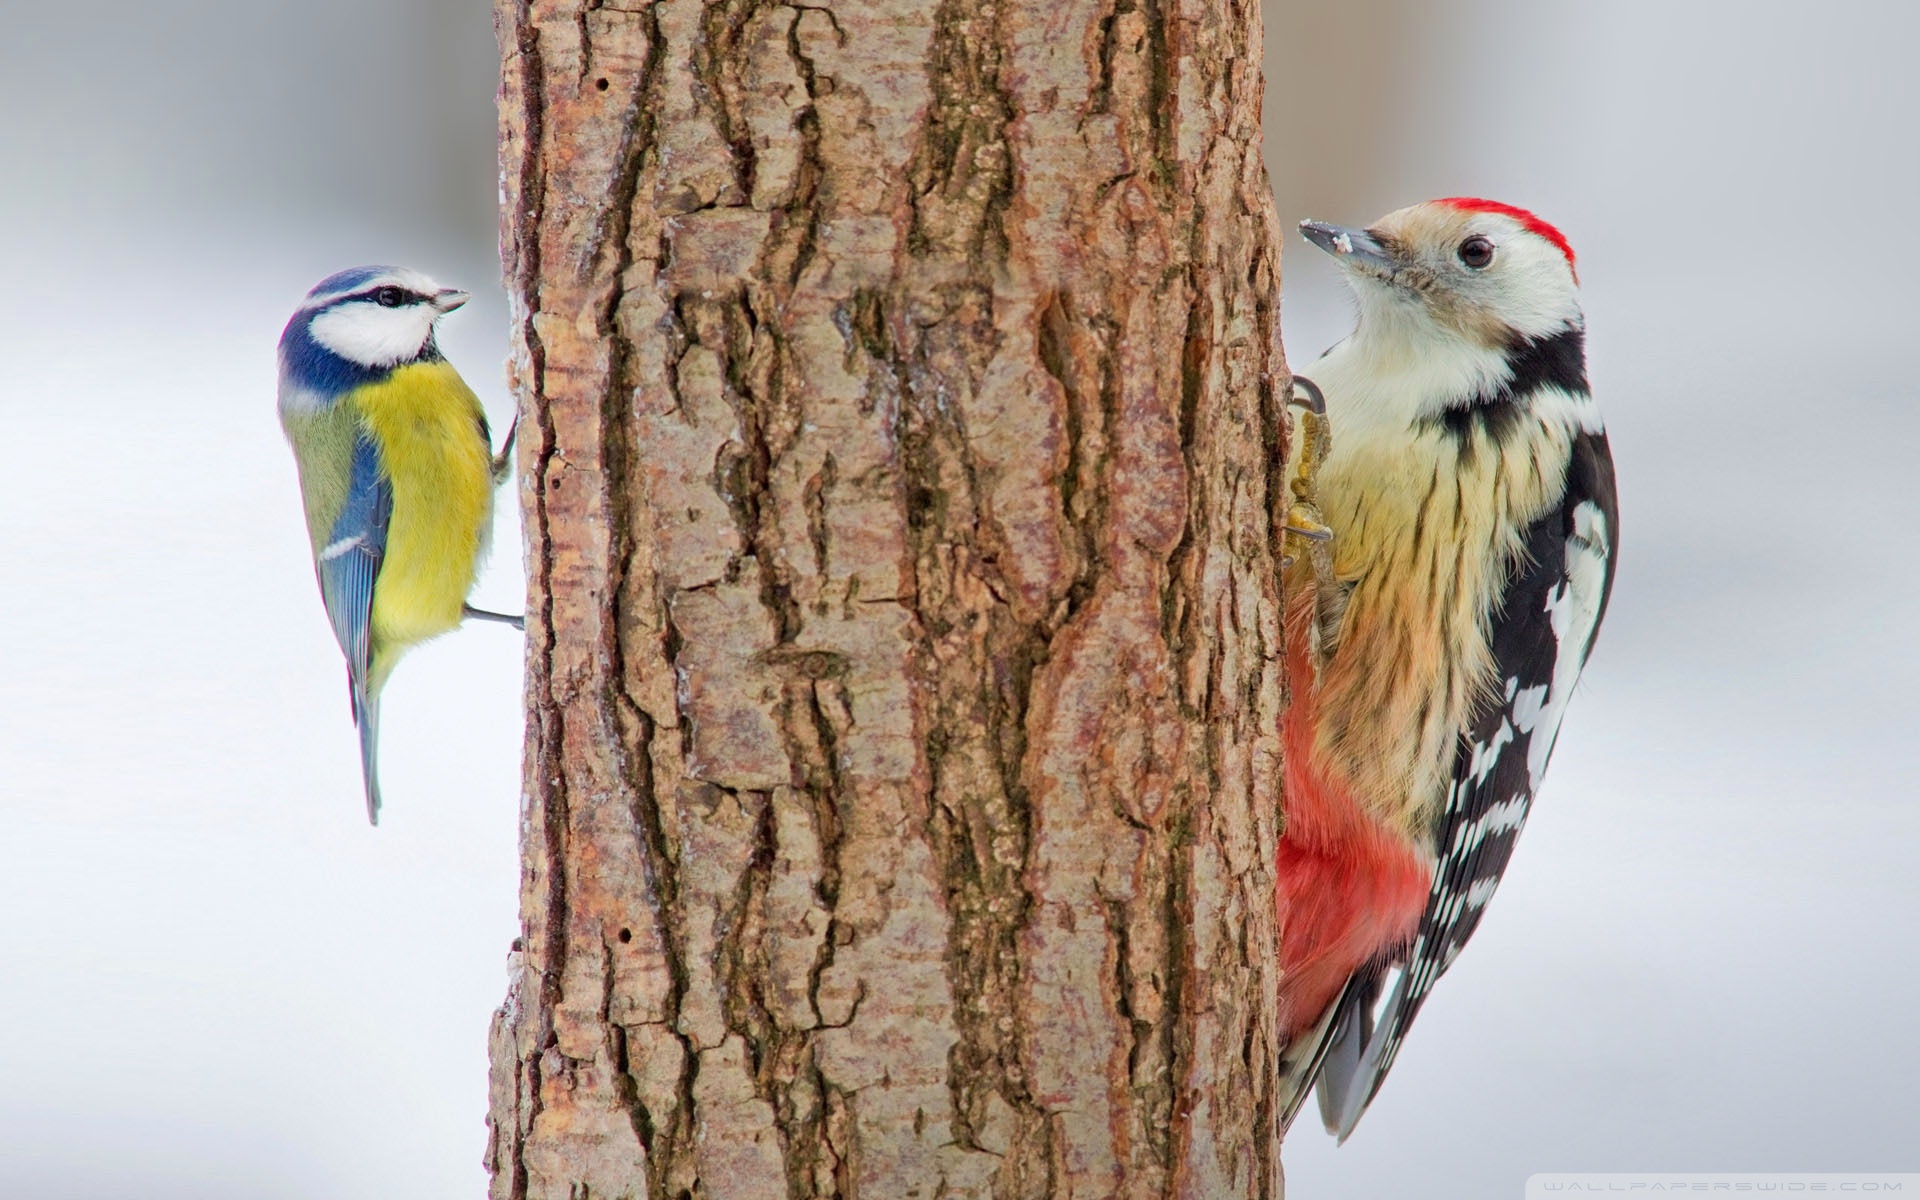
<point>1309,448</point>
<point>503,461</point>
<point>1310,444</point>
<point>471,613</point>
<point>1312,438</point>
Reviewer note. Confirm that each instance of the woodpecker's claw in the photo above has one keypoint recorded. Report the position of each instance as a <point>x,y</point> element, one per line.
<point>1303,518</point>
<point>1316,400</point>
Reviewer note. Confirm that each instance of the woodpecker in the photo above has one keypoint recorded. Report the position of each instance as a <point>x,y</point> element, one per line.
<point>1435,640</point>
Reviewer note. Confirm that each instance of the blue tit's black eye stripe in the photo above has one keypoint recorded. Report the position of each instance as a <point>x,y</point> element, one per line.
<point>388,295</point>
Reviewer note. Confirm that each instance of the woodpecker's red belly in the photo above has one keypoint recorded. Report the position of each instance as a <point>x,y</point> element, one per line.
<point>1348,889</point>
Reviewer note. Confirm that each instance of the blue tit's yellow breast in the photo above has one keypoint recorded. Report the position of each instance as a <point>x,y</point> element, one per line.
<point>429,429</point>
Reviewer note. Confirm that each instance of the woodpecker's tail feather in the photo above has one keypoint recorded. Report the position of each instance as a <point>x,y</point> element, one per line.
<point>1300,1065</point>
<point>1340,1067</point>
<point>1361,1048</point>
<point>1333,1055</point>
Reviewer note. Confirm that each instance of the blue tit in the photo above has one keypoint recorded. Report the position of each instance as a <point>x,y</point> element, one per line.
<point>397,473</point>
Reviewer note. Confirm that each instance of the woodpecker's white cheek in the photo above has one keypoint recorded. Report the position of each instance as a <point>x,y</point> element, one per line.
<point>374,336</point>
<point>1533,292</point>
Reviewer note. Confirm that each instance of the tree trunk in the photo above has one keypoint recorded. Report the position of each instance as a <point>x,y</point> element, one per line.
<point>903,390</point>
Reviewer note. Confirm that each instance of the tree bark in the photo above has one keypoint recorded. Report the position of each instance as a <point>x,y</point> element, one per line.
<point>903,393</point>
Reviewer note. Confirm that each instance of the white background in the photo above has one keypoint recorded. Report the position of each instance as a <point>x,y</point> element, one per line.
<point>216,981</point>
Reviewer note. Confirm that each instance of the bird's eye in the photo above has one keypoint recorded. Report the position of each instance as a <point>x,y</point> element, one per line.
<point>389,297</point>
<point>1476,252</point>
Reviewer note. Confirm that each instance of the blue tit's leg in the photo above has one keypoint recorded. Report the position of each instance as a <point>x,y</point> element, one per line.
<point>471,613</point>
<point>502,468</point>
<point>503,461</point>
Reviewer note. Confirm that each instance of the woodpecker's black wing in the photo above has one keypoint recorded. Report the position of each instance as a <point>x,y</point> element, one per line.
<point>1542,631</point>
<point>348,566</point>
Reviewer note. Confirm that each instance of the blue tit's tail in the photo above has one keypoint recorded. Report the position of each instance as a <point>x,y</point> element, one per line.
<point>366,715</point>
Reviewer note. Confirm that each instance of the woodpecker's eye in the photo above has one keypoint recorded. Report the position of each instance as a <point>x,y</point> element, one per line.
<point>1476,252</point>
<point>393,297</point>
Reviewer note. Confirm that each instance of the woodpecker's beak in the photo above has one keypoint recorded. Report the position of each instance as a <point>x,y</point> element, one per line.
<point>1355,246</point>
<point>447,299</point>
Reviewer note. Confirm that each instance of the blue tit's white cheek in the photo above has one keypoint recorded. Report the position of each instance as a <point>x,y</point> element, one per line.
<point>373,336</point>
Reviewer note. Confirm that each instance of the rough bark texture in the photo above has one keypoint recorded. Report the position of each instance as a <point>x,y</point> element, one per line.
<point>902,383</point>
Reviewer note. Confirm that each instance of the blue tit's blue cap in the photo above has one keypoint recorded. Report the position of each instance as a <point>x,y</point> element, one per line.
<point>349,280</point>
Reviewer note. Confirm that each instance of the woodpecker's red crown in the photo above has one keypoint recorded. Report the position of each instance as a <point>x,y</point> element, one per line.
<point>1527,221</point>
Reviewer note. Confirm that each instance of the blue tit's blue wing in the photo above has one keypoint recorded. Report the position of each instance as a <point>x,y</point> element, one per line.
<point>348,566</point>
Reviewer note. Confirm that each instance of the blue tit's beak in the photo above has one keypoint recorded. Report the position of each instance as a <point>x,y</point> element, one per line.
<point>1354,247</point>
<point>447,299</point>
